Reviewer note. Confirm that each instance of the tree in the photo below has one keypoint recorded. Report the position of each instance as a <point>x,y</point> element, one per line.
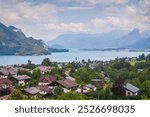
<point>36,74</point>
<point>121,64</point>
<point>142,57</point>
<point>58,91</point>
<point>72,96</point>
<point>83,76</point>
<point>17,95</point>
<point>107,94</point>
<point>46,62</point>
<point>145,88</point>
<point>118,88</point>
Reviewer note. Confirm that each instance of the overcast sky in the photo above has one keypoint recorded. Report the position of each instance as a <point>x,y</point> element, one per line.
<point>46,19</point>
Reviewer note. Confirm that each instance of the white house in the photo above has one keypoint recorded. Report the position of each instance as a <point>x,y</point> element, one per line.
<point>131,90</point>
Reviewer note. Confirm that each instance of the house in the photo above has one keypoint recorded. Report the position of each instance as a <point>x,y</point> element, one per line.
<point>70,78</point>
<point>45,90</point>
<point>31,91</point>
<point>139,70</point>
<point>5,83</point>
<point>90,87</point>
<point>20,79</point>
<point>45,80</point>
<point>44,69</point>
<point>67,76</point>
<point>97,82</point>
<point>6,72</point>
<point>103,73</point>
<point>67,84</point>
<point>5,86</point>
<point>3,73</point>
<point>92,65</point>
<point>131,90</point>
<point>107,79</point>
<point>86,88</point>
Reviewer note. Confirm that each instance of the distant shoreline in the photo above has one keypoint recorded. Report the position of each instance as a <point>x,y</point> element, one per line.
<point>118,49</point>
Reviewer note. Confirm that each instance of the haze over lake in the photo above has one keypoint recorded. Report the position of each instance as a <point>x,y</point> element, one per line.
<point>69,56</point>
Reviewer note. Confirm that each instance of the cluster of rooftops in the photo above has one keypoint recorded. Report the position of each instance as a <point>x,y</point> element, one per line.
<point>9,78</point>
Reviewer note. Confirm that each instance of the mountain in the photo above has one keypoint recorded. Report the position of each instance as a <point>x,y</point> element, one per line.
<point>88,41</point>
<point>14,42</point>
<point>142,44</point>
<point>130,38</point>
<point>113,39</point>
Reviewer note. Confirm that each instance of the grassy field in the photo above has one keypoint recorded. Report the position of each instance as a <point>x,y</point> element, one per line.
<point>134,62</point>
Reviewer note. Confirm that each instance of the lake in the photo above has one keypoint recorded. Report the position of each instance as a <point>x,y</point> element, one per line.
<point>69,56</point>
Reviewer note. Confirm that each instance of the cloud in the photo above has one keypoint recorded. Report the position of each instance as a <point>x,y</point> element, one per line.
<point>44,20</point>
<point>131,16</point>
<point>77,8</point>
<point>27,16</point>
<point>95,2</point>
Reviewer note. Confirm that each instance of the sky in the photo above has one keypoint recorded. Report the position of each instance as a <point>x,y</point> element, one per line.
<point>47,19</point>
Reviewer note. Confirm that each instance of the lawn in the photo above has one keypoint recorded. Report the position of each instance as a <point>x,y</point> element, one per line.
<point>134,62</point>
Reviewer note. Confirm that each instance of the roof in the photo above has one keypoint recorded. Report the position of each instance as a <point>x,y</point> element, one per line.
<point>96,80</point>
<point>32,90</point>
<point>45,88</point>
<point>7,71</point>
<point>131,88</point>
<point>107,79</point>
<point>43,68</point>
<point>90,86</point>
<point>67,83</point>
<point>5,81</point>
<point>21,77</point>
<point>49,80</point>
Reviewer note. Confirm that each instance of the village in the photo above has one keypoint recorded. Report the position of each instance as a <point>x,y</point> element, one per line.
<point>52,80</point>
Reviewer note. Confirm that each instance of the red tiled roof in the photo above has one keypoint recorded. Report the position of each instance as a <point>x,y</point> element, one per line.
<point>48,79</point>
<point>67,83</point>
<point>5,81</point>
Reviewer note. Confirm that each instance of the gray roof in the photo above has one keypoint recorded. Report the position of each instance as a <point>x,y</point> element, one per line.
<point>107,79</point>
<point>97,80</point>
<point>32,90</point>
<point>131,88</point>
<point>21,77</point>
<point>7,71</point>
<point>90,86</point>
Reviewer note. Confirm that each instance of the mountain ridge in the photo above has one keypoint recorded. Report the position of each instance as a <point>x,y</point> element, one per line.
<point>14,42</point>
<point>113,39</point>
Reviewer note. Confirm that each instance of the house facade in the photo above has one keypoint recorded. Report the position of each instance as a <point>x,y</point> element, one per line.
<point>5,86</point>
<point>47,80</point>
<point>44,69</point>
<point>20,80</point>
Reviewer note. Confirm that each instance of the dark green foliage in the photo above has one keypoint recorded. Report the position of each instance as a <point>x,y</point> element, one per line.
<point>46,62</point>
<point>17,95</point>
<point>121,64</point>
<point>29,65</point>
<point>58,91</point>
<point>35,76</point>
<point>145,88</point>
<point>141,57</point>
<point>72,96</point>
<point>4,92</point>
<point>117,87</point>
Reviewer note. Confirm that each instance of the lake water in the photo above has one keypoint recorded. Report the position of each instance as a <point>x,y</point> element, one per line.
<point>69,56</point>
